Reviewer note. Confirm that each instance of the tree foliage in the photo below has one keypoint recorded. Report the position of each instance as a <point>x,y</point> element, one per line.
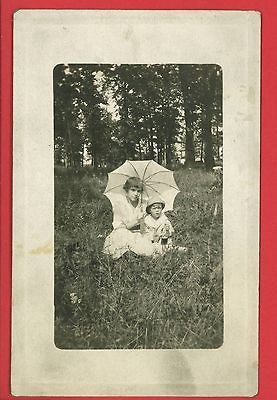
<point>104,114</point>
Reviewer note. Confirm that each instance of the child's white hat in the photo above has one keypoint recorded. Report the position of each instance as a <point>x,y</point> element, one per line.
<point>153,200</point>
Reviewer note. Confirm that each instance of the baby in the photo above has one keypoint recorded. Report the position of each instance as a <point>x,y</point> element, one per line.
<point>157,226</point>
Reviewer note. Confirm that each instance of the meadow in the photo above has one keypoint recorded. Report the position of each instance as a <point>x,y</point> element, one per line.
<point>172,301</point>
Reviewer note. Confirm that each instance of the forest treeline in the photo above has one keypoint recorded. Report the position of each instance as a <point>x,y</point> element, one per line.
<point>107,113</point>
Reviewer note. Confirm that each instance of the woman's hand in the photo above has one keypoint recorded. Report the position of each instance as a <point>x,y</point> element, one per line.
<point>140,216</point>
<point>138,219</point>
<point>156,237</point>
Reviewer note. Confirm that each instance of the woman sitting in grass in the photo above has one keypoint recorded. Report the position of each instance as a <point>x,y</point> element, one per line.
<point>128,214</point>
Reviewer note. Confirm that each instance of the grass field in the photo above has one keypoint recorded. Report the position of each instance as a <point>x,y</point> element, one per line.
<point>175,301</point>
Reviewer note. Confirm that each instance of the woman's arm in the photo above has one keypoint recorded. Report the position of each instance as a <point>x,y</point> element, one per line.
<point>122,219</point>
<point>149,232</point>
<point>130,223</point>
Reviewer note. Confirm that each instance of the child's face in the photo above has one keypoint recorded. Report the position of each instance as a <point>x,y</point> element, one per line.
<point>156,210</point>
<point>133,194</point>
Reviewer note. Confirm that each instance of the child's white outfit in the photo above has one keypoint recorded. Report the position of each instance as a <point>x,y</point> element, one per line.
<point>122,239</point>
<point>159,232</point>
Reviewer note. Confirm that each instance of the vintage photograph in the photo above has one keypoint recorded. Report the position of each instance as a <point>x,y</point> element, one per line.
<point>138,231</point>
<point>136,170</point>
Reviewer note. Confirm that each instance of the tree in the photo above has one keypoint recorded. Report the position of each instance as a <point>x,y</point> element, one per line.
<point>78,113</point>
<point>202,92</point>
<point>115,112</point>
<point>186,78</point>
<point>211,102</point>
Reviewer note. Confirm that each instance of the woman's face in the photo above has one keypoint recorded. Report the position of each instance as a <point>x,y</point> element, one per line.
<point>133,194</point>
<point>156,210</point>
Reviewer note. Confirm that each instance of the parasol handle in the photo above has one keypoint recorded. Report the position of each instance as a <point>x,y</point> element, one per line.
<point>141,205</point>
<point>141,208</point>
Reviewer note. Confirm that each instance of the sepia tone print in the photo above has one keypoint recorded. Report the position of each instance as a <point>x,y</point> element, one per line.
<point>138,263</point>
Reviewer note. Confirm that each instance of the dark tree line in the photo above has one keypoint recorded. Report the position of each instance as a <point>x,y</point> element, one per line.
<point>109,113</point>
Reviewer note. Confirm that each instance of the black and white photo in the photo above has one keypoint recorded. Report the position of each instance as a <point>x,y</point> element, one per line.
<point>136,139</point>
<point>138,206</point>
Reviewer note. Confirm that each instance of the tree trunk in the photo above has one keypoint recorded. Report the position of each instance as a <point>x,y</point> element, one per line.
<point>140,152</point>
<point>94,157</point>
<point>151,146</point>
<point>68,145</point>
<point>201,150</point>
<point>160,153</point>
<point>190,151</point>
<point>168,153</point>
<point>207,117</point>
<point>217,143</point>
<point>189,141</point>
<point>208,142</point>
<point>82,155</point>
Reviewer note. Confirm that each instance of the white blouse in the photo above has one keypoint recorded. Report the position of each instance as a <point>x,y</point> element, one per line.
<point>124,212</point>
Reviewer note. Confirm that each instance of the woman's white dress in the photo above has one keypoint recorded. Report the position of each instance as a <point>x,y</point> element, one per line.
<point>122,239</point>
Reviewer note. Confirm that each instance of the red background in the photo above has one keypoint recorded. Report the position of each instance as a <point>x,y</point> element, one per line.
<point>268,253</point>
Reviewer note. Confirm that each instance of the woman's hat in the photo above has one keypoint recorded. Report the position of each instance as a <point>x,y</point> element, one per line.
<point>154,200</point>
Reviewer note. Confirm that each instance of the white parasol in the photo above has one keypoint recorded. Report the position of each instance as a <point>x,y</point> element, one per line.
<point>157,181</point>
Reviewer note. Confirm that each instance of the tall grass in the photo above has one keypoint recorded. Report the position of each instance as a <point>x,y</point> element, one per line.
<point>174,301</point>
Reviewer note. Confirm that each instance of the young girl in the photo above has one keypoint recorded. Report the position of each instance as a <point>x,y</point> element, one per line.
<point>128,213</point>
<point>157,226</point>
